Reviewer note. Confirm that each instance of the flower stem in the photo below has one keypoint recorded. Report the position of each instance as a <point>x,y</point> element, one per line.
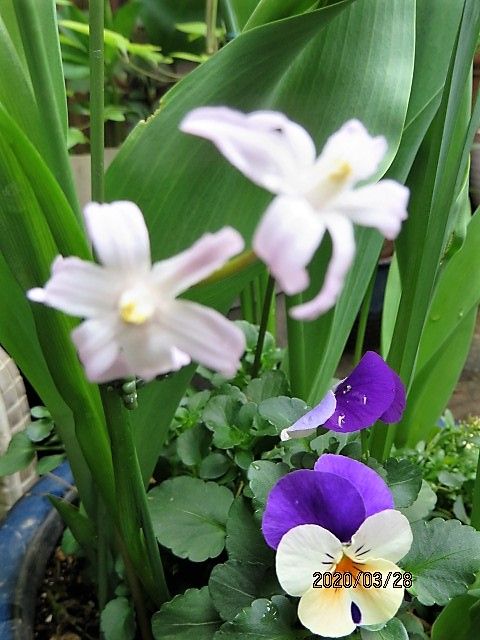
<point>475,515</point>
<point>131,497</point>
<point>233,28</point>
<point>211,20</point>
<point>363,318</point>
<point>96,20</point>
<point>267,304</point>
<point>296,349</point>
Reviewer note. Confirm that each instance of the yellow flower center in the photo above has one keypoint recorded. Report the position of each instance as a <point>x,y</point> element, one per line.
<point>135,307</point>
<point>347,565</point>
<point>341,172</point>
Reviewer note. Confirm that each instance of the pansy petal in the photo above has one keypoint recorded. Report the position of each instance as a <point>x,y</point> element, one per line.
<point>206,255</point>
<point>364,395</point>
<point>382,206</point>
<point>97,346</point>
<point>265,146</point>
<point>378,604</point>
<point>343,251</point>
<point>119,235</point>
<point>207,336</point>
<point>353,147</point>
<point>374,491</point>
<point>303,551</point>
<point>309,422</point>
<point>79,288</point>
<point>310,497</point>
<point>149,352</point>
<point>327,612</point>
<point>286,239</point>
<point>386,535</point>
<point>395,410</point>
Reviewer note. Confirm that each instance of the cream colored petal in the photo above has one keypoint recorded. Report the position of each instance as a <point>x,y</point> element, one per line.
<point>386,535</point>
<point>378,604</point>
<point>303,551</point>
<point>327,612</point>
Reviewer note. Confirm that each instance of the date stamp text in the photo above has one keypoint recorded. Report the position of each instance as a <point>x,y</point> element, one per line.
<point>363,579</point>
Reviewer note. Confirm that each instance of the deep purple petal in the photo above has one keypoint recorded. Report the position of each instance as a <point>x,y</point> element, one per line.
<point>372,488</point>
<point>310,497</point>
<point>364,396</point>
<point>395,410</point>
<point>313,418</point>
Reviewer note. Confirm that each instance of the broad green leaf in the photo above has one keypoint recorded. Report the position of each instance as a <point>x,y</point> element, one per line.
<point>39,429</point>
<point>221,417</point>
<point>393,630</point>
<point>192,445</point>
<point>237,13</point>
<point>189,516</point>
<point>457,620</point>
<point>263,620</point>
<point>214,466</point>
<point>190,613</point>
<point>404,480</point>
<point>245,541</point>
<point>423,505</point>
<point>79,524</point>
<point>269,385</point>
<point>443,560</point>
<point>270,10</point>
<point>49,463</point>
<point>262,475</point>
<point>117,620</point>
<point>235,585</point>
<point>19,455</point>
<point>282,412</point>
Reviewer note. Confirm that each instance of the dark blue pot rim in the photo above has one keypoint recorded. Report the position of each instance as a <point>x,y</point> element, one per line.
<point>28,535</point>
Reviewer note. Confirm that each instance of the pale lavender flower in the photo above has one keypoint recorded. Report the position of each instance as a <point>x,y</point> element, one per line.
<point>373,391</point>
<point>314,194</point>
<point>135,325</point>
<point>338,518</point>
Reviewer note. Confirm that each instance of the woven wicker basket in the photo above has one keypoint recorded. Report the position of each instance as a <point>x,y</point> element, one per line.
<point>14,416</point>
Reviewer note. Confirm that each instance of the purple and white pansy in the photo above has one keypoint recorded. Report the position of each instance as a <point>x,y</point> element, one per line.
<point>134,323</point>
<point>373,391</point>
<point>338,519</point>
<point>314,194</point>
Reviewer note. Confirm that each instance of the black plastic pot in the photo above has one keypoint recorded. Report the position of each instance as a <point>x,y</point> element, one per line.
<point>28,536</point>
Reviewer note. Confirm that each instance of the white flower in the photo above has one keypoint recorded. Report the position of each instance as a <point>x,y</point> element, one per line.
<point>314,195</point>
<point>382,539</point>
<point>134,323</point>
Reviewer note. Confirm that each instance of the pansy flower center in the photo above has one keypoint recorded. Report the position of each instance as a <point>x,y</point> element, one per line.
<point>347,565</point>
<point>136,306</point>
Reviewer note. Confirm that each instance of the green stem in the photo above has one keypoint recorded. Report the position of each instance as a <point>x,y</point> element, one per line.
<point>296,349</point>
<point>102,561</point>
<point>97,134</point>
<point>475,515</point>
<point>131,497</point>
<point>267,303</point>
<point>211,20</point>
<point>362,321</point>
<point>364,441</point>
<point>233,28</point>
<point>246,304</point>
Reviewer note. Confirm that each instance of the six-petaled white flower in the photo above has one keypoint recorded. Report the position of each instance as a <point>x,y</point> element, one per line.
<point>135,325</point>
<point>314,194</point>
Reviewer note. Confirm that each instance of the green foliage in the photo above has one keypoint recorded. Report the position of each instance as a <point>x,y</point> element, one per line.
<point>118,620</point>
<point>404,480</point>
<point>458,620</point>
<point>189,516</point>
<point>443,560</point>
<point>244,538</point>
<point>393,630</point>
<point>187,614</point>
<point>19,455</point>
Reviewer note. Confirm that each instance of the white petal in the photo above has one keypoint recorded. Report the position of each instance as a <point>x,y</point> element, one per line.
<point>303,551</point>
<point>98,348</point>
<point>265,146</point>
<point>148,351</point>
<point>378,604</point>
<point>207,336</point>
<point>386,535</point>
<point>382,206</point>
<point>309,422</point>
<point>119,235</point>
<point>79,288</point>
<point>286,239</point>
<point>343,251</point>
<point>327,612</point>
<point>205,256</point>
<point>354,147</point>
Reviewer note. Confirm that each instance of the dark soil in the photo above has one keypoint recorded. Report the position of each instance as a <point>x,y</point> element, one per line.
<point>66,606</point>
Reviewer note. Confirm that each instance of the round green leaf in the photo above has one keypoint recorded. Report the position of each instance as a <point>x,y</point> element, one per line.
<point>213,466</point>
<point>262,620</point>
<point>262,475</point>
<point>189,614</point>
<point>40,429</point>
<point>245,541</point>
<point>117,620</point>
<point>192,445</point>
<point>189,516</point>
<point>404,480</point>
<point>19,454</point>
<point>393,630</point>
<point>282,411</point>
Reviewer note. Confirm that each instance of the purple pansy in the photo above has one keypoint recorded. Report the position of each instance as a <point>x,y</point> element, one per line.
<point>373,391</point>
<point>337,519</point>
<point>338,495</point>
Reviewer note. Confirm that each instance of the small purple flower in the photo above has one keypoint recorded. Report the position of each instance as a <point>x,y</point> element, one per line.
<point>337,519</point>
<point>373,391</point>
